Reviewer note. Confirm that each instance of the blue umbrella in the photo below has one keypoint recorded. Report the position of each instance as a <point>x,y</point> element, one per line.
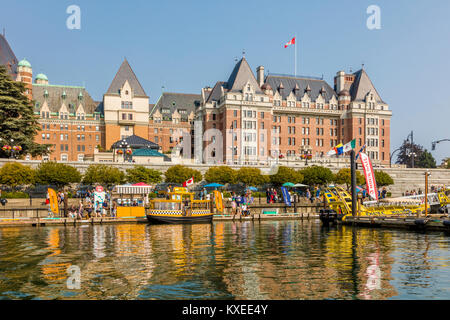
<point>252,188</point>
<point>213,185</point>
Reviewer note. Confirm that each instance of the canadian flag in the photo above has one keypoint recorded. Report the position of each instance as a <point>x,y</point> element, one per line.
<point>188,182</point>
<point>290,42</point>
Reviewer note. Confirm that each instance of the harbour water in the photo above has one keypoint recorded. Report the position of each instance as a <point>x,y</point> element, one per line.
<point>296,259</point>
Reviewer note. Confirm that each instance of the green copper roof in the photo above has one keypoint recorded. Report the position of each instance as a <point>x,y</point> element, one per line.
<point>24,63</point>
<point>41,76</point>
<point>146,153</point>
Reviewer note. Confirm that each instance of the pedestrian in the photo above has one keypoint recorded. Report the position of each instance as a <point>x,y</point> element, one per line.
<point>383,193</point>
<point>80,210</point>
<point>104,207</point>
<point>98,209</point>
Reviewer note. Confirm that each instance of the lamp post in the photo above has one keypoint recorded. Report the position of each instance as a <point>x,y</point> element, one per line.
<point>391,155</point>
<point>427,174</point>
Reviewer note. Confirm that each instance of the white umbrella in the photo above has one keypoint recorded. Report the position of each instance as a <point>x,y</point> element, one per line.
<point>300,185</point>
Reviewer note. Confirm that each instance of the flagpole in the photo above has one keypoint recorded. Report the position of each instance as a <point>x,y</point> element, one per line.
<point>295,64</point>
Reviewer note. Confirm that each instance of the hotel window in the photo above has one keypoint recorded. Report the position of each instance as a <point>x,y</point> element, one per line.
<point>67,137</point>
<point>82,137</point>
<point>130,116</point>
<point>235,113</point>
<point>124,116</point>
<point>48,136</point>
<point>127,128</point>
<point>67,147</point>
<point>78,137</point>
<point>331,132</point>
<point>43,136</point>
<point>360,142</point>
<point>214,116</point>
<point>262,125</point>
<point>382,144</point>
<point>382,122</point>
<point>62,147</point>
<point>360,130</point>
<point>97,138</point>
<point>382,132</point>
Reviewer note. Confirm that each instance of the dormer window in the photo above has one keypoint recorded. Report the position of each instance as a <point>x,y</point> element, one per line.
<point>248,88</point>
<point>126,92</point>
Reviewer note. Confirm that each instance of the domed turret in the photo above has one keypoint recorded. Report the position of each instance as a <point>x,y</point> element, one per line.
<point>41,79</point>
<point>24,63</point>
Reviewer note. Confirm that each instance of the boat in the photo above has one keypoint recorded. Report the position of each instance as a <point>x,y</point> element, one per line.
<point>179,206</point>
<point>340,205</point>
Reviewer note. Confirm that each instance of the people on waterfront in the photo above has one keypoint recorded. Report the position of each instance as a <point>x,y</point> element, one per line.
<point>268,195</point>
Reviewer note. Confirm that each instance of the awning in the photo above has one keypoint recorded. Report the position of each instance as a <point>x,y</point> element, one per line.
<point>131,189</point>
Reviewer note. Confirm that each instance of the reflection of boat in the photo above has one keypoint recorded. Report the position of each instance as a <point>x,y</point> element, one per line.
<point>340,204</point>
<point>180,207</point>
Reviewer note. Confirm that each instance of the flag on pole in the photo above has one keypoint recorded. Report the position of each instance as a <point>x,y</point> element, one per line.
<point>370,176</point>
<point>290,42</point>
<point>361,150</point>
<point>349,146</point>
<point>336,150</point>
<point>188,182</point>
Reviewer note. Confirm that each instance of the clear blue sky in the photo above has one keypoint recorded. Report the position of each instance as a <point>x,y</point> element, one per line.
<point>186,45</point>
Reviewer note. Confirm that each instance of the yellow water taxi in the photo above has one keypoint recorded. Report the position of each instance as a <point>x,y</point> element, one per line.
<point>179,206</point>
<point>340,205</point>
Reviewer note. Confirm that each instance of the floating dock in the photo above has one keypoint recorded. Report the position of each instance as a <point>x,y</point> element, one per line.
<point>434,222</point>
<point>42,222</point>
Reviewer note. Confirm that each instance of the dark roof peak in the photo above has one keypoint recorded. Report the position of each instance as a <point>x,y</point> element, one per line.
<point>240,76</point>
<point>126,73</point>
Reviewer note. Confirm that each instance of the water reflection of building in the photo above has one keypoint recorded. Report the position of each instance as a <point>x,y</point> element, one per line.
<point>362,262</point>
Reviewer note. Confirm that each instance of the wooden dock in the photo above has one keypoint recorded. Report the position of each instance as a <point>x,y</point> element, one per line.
<point>43,222</point>
<point>436,222</point>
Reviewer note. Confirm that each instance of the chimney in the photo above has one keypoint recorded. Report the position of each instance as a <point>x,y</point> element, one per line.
<point>260,75</point>
<point>340,80</point>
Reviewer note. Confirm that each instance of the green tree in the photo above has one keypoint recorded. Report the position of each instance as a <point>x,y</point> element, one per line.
<point>14,174</point>
<point>285,174</point>
<point>426,160</point>
<point>383,179</point>
<point>222,175</point>
<point>317,175</point>
<point>180,174</point>
<point>59,174</point>
<point>17,119</point>
<point>103,175</point>
<point>344,177</point>
<point>142,174</point>
<point>251,177</point>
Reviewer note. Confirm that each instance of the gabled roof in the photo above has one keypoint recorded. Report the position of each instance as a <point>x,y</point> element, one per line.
<point>126,73</point>
<point>362,86</point>
<point>136,142</point>
<point>290,83</point>
<point>242,73</point>
<point>7,56</point>
<point>177,101</point>
<point>215,93</point>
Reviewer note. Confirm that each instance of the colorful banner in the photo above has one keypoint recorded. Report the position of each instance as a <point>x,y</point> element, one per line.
<point>369,175</point>
<point>53,198</point>
<point>218,200</point>
<point>286,196</point>
<point>99,197</point>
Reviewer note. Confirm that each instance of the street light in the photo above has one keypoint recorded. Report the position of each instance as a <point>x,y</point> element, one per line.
<point>427,174</point>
